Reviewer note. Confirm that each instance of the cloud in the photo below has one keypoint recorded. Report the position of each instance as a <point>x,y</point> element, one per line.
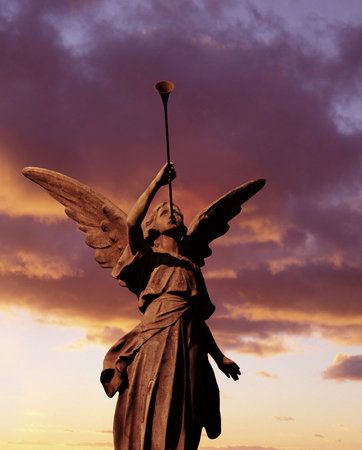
<point>345,368</point>
<point>253,228</point>
<point>315,287</point>
<point>318,435</point>
<point>284,418</point>
<point>108,335</point>
<point>92,444</point>
<point>240,447</point>
<point>265,374</point>
<point>280,108</point>
<point>17,198</point>
<point>48,270</point>
<point>29,442</point>
<point>220,274</point>
<point>102,336</point>
<point>274,345</point>
<point>343,334</point>
<point>32,265</point>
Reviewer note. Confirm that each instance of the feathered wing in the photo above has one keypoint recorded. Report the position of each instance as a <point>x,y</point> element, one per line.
<point>102,221</point>
<point>212,222</point>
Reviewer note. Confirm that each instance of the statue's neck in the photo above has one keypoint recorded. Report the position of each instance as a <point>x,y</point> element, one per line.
<point>167,244</point>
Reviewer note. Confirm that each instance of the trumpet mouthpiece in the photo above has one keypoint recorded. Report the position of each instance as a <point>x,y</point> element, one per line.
<point>164,87</point>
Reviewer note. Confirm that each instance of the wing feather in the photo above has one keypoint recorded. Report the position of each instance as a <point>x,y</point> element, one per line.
<point>103,223</point>
<point>212,222</point>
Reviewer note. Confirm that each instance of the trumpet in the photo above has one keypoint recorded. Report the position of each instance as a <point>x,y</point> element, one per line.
<point>165,88</point>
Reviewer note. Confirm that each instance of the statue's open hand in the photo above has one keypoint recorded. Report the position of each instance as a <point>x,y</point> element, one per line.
<point>230,368</point>
<point>166,174</point>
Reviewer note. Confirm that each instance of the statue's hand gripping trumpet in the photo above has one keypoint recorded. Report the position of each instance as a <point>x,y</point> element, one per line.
<point>167,388</point>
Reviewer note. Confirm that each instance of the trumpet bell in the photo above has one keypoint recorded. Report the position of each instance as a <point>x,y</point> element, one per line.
<point>164,87</point>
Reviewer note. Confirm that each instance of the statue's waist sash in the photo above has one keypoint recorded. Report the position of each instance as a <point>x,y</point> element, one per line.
<point>161,313</point>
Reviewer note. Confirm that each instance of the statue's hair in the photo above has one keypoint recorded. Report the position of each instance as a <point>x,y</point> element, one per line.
<point>150,231</point>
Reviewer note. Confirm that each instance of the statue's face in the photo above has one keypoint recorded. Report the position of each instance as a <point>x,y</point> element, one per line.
<point>163,218</point>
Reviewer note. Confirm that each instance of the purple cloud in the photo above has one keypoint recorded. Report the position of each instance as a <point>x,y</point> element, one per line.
<point>252,99</point>
<point>345,368</point>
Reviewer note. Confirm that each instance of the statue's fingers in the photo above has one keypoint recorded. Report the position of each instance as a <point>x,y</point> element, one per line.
<point>235,373</point>
<point>171,170</point>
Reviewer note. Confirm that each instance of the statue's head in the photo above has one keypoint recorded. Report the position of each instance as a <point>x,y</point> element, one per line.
<point>159,222</point>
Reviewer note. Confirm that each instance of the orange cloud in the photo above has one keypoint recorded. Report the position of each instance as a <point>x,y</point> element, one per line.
<point>284,418</point>
<point>92,444</point>
<point>273,345</point>
<point>101,336</point>
<point>350,334</point>
<point>259,312</point>
<point>334,327</point>
<point>30,443</point>
<point>220,274</point>
<point>32,265</point>
<point>239,447</point>
<point>265,374</point>
<point>18,198</point>
<point>250,228</point>
<point>280,264</point>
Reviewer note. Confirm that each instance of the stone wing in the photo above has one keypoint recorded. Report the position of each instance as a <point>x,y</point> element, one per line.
<point>103,223</point>
<point>212,222</point>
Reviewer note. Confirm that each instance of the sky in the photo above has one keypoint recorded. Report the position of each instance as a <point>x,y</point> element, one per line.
<point>262,90</point>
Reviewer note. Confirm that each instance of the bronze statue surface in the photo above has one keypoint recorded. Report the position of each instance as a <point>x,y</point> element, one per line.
<point>160,369</point>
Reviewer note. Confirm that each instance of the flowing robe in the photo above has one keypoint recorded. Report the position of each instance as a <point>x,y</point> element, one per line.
<point>167,388</point>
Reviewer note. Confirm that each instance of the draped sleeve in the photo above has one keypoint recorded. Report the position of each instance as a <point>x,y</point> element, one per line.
<point>132,270</point>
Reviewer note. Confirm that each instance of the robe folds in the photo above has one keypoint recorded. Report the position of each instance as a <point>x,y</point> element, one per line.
<point>167,388</point>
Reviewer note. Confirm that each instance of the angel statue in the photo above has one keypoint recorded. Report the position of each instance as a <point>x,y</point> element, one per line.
<point>166,385</point>
<point>160,369</point>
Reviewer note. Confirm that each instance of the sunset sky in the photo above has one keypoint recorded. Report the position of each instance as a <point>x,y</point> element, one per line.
<point>269,89</point>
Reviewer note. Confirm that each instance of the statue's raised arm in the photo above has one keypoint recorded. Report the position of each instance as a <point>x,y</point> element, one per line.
<point>139,210</point>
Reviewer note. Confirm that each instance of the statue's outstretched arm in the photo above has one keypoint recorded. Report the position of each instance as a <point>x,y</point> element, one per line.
<point>226,365</point>
<point>140,208</point>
